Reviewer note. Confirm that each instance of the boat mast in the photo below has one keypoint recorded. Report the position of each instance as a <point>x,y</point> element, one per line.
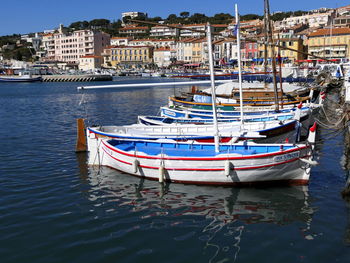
<point>269,28</point>
<point>239,64</point>
<point>212,82</point>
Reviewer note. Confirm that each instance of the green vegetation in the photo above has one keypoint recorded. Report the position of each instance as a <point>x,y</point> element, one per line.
<point>184,17</point>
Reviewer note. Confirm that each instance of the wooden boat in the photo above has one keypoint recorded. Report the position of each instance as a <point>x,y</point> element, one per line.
<point>238,163</point>
<point>180,112</point>
<point>231,104</point>
<point>267,131</point>
<point>252,91</point>
<point>170,120</point>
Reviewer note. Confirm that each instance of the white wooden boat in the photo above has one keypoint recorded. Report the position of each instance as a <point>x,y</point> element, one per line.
<point>237,163</point>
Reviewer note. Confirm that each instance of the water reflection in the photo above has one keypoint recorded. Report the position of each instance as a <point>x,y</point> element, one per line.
<point>227,212</point>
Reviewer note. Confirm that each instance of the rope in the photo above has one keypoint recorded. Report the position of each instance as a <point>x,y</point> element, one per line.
<point>83,102</point>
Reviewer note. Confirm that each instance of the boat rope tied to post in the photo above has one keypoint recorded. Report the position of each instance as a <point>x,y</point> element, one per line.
<point>135,165</point>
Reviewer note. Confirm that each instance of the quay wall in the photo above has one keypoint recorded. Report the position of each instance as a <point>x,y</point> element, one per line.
<point>75,78</point>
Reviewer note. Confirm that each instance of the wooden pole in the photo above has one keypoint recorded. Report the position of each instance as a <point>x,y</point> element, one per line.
<point>81,138</point>
<point>280,70</point>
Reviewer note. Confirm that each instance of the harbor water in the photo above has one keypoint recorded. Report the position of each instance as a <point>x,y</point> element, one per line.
<point>54,208</point>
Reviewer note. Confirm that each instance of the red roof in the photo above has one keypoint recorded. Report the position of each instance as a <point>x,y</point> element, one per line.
<point>328,32</point>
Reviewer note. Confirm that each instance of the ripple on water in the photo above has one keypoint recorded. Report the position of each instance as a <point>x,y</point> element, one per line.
<point>53,208</point>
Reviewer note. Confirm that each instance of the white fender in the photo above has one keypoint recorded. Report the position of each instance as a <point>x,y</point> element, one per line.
<point>227,167</point>
<point>161,173</point>
<point>298,112</point>
<point>312,134</point>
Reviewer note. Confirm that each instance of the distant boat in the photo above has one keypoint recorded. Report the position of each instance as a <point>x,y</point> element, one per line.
<point>23,77</point>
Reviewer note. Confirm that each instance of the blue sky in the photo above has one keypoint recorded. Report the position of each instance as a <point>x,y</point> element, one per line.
<point>25,16</point>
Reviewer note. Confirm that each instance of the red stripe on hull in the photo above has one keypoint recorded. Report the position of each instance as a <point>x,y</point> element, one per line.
<point>208,159</point>
<point>208,169</point>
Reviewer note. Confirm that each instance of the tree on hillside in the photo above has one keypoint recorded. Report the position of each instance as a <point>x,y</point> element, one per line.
<point>79,25</point>
<point>198,18</point>
<point>172,18</point>
<point>221,18</point>
<point>99,23</point>
<point>185,14</point>
<point>250,17</point>
<point>155,19</point>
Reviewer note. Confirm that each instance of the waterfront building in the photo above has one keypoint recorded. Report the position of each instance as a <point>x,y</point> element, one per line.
<point>129,56</point>
<point>34,40</point>
<point>184,50</point>
<point>250,51</point>
<point>90,62</point>
<point>165,32</point>
<point>69,47</point>
<point>286,55</point>
<point>331,43</point>
<point>199,51</point>
<point>229,50</point>
<point>120,41</point>
<point>48,47</point>
<point>163,56</point>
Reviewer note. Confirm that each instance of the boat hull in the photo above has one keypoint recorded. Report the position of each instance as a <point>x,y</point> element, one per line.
<point>19,79</point>
<point>280,167</point>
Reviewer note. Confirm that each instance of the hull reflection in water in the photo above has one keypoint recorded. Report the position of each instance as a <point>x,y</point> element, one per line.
<point>218,217</point>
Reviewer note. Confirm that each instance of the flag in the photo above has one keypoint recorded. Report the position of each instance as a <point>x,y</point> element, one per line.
<point>235,30</point>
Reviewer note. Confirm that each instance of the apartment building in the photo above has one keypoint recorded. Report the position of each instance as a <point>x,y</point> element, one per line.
<point>332,43</point>
<point>163,56</point>
<point>165,32</point>
<point>342,21</point>
<point>120,41</point>
<point>288,55</point>
<point>156,43</point>
<point>90,62</point>
<point>313,20</point>
<point>69,47</point>
<point>48,46</point>
<point>130,56</point>
<point>134,31</point>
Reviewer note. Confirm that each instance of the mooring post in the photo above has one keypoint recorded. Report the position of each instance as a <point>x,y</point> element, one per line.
<point>81,139</point>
